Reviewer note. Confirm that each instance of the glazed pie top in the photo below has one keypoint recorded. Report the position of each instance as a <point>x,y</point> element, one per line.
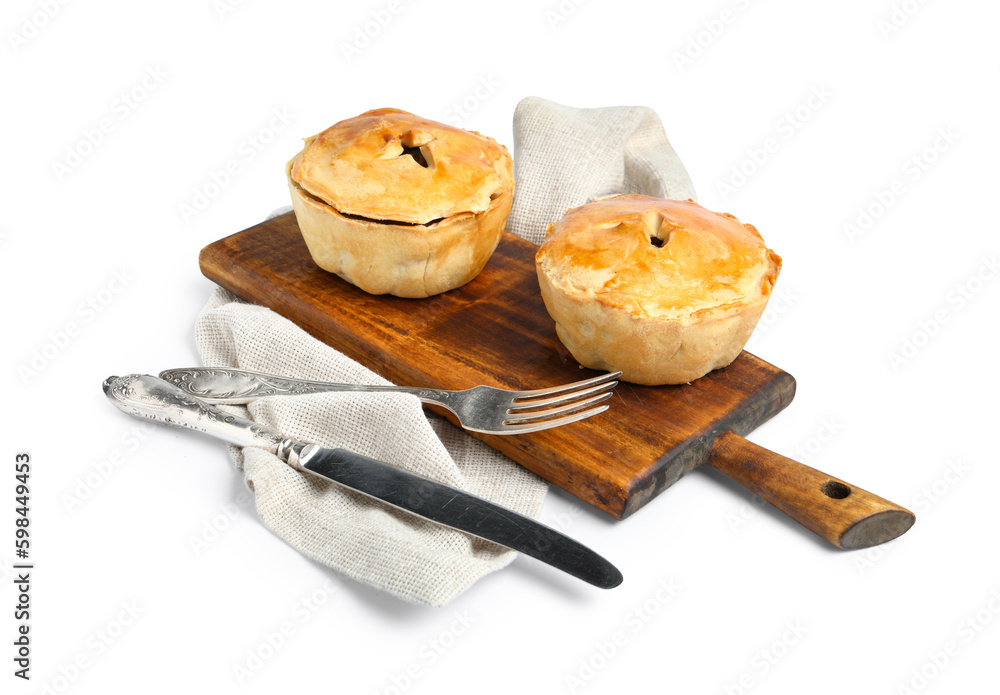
<point>388,164</point>
<point>661,259</point>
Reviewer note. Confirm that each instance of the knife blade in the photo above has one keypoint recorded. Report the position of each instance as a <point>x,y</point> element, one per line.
<point>147,396</point>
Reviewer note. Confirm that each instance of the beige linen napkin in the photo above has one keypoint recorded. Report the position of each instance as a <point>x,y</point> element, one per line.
<point>413,559</point>
<point>565,157</point>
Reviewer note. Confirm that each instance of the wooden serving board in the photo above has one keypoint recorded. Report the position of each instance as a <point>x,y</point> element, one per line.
<point>496,331</point>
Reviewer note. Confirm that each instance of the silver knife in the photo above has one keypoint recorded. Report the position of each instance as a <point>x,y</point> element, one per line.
<point>147,396</point>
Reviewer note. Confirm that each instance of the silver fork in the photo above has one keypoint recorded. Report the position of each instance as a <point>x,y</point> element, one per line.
<point>480,409</point>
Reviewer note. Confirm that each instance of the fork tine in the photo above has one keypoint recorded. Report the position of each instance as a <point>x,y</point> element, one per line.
<point>519,404</point>
<point>552,390</point>
<point>547,424</point>
<point>518,416</point>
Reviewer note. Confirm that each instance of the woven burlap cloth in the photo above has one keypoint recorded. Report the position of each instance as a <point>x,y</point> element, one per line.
<point>563,157</point>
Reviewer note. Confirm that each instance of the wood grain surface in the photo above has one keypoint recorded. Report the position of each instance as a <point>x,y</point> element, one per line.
<point>496,331</point>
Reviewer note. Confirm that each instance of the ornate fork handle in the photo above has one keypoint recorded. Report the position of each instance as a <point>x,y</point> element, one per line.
<point>221,385</point>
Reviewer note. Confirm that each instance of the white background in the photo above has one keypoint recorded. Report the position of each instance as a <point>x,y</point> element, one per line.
<point>914,428</point>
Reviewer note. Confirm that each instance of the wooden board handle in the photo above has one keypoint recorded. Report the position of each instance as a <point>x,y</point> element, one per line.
<point>843,514</point>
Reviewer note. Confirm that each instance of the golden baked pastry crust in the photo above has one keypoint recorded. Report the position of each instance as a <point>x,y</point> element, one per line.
<point>388,164</point>
<point>382,221</point>
<point>403,260</point>
<point>663,290</point>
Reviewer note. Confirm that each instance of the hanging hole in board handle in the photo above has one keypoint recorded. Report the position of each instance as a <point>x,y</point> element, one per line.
<point>835,490</point>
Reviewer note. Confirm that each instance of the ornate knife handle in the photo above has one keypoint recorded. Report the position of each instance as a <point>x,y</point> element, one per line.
<point>146,396</point>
